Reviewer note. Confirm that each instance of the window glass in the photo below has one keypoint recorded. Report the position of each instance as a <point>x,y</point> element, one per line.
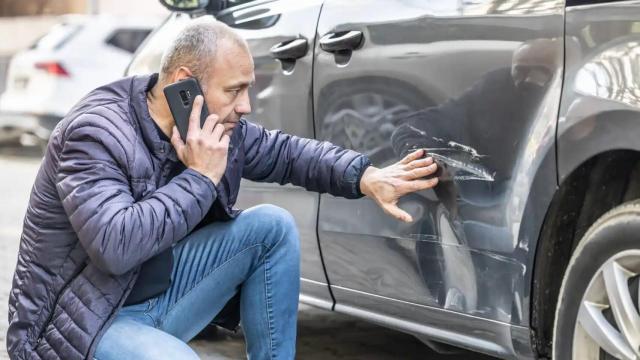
<point>128,39</point>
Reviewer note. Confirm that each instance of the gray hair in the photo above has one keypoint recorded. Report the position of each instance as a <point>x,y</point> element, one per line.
<point>196,47</point>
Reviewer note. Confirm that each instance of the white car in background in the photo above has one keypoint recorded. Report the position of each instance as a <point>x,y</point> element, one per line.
<point>74,57</point>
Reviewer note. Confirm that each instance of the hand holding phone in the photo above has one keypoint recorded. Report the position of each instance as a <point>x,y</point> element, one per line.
<point>205,149</point>
<point>180,96</point>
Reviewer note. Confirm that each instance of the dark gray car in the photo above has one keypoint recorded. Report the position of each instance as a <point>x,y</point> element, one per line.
<point>530,245</point>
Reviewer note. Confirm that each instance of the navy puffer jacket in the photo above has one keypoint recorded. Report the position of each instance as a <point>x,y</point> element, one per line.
<point>101,205</point>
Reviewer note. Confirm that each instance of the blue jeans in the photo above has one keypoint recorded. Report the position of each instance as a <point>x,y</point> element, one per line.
<point>258,252</point>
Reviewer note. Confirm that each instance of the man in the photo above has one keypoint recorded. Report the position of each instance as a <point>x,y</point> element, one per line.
<point>130,244</point>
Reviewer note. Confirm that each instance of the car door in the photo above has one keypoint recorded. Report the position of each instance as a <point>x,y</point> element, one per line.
<point>281,36</point>
<point>476,83</point>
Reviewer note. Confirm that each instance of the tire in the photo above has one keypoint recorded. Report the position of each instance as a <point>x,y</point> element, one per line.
<point>594,291</point>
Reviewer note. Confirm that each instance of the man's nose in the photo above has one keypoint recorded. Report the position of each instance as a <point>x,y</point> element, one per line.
<point>244,106</point>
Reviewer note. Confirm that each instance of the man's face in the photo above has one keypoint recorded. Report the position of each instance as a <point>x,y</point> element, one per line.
<point>534,63</point>
<point>226,90</point>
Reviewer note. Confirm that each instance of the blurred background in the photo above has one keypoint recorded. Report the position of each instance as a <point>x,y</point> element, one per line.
<point>55,51</point>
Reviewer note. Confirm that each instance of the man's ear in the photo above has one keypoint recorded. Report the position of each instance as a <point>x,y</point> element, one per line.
<point>181,74</point>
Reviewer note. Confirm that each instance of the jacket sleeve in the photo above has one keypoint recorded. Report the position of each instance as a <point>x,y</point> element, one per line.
<point>117,232</point>
<point>272,156</point>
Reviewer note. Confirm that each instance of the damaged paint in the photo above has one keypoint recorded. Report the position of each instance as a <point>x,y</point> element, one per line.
<point>474,154</point>
<point>482,252</point>
<point>458,162</point>
<point>464,272</point>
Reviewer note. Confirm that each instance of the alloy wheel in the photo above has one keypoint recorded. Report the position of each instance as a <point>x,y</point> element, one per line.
<point>608,323</point>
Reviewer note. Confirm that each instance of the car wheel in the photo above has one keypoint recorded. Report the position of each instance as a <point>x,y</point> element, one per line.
<point>597,314</point>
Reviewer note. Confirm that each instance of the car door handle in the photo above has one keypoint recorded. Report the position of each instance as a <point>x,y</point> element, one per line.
<point>290,50</point>
<point>347,40</point>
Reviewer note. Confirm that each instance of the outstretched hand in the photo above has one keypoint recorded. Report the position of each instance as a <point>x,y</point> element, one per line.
<point>387,185</point>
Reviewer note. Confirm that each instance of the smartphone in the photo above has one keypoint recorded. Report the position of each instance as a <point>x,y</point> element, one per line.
<point>180,96</point>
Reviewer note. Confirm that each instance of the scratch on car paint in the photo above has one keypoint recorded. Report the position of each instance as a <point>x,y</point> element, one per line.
<point>462,161</point>
<point>490,254</point>
<point>462,171</point>
<point>417,130</point>
<point>474,154</point>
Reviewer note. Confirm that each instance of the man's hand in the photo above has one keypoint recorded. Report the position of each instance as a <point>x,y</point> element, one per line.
<point>387,185</point>
<point>206,149</point>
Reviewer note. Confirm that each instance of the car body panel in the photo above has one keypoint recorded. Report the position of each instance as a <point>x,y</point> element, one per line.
<point>601,102</point>
<point>494,338</point>
<point>469,232</point>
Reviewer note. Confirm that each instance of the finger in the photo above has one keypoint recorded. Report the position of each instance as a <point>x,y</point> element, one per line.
<point>225,140</point>
<point>194,118</point>
<point>210,123</point>
<point>419,163</point>
<point>176,140</point>
<point>421,172</point>
<point>413,156</point>
<point>418,185</point>
<point>397,213</point>
<point>218,131</point>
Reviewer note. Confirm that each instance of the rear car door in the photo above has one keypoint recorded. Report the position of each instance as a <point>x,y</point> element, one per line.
<point>476,82</point>
<point>281,36</point>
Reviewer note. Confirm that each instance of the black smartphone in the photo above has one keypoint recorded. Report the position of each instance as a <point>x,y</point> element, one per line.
<point>180,96</point>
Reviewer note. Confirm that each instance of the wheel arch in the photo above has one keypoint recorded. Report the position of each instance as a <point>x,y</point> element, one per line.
<point>600,182</point>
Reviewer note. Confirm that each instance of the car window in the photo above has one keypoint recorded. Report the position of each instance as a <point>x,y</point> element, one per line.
<point>128,39</point>
<point>58,36</point>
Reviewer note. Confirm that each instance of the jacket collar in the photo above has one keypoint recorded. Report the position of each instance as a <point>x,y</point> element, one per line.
<point>138,96</point>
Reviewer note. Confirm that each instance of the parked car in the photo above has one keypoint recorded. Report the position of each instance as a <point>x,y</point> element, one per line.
<point>529,246</point>
<point>74,57</point>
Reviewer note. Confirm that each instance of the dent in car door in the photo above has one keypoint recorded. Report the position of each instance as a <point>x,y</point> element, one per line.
<point>281,99</point>
<point>475,82</point>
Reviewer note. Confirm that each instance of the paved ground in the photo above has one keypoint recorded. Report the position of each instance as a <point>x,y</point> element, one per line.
<point>322,334</point>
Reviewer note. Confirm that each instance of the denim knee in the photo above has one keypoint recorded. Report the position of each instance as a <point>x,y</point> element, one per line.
<point>277,222</point>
